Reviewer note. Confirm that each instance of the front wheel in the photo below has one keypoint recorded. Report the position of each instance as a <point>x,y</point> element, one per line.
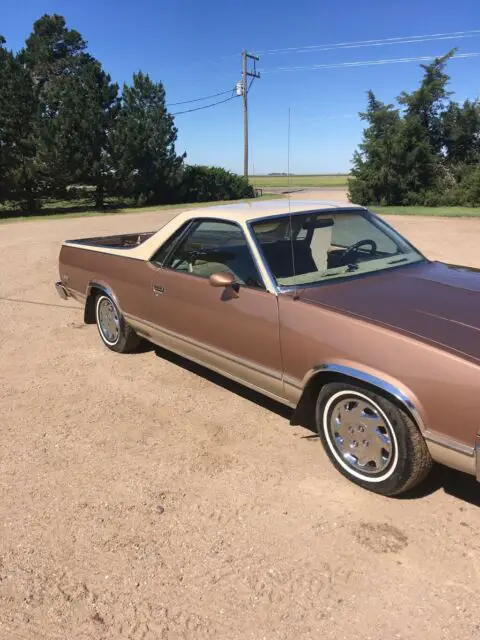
<point>115,333</point>
<point>370,440</point>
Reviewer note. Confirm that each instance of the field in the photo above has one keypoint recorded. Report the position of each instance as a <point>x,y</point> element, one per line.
<point>323,181</point>
<point>438,212</point>
<point>144,497</point>
<point>84,209</point>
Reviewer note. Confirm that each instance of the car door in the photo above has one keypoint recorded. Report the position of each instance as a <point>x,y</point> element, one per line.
<point>233,329</point>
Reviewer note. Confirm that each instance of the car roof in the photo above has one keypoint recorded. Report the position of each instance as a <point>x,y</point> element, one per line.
<point>247,211</point>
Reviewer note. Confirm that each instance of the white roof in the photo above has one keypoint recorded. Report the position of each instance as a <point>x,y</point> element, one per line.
<point>241,212</point>
<point>244,211</point>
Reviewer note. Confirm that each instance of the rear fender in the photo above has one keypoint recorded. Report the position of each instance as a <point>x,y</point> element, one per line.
<point>93,289</point>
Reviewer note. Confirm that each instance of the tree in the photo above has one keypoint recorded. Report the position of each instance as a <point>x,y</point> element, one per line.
<point>77,105</point>
<point>375,165</point>
<point>401,158</point>
<point>145,161</point>
<point>428,102</point>
<point>17,147</point>
<point>461,132</point>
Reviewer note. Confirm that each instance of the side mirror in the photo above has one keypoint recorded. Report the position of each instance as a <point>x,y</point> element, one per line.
<point>222,279</point>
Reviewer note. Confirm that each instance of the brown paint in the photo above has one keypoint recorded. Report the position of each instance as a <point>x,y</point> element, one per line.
<point>416,327</point>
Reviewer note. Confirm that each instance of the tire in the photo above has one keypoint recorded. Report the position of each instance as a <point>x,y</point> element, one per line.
<point>370,440</point>
<point>115,333</point>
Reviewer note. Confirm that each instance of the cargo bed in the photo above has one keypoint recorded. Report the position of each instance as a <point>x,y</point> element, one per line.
<point>124,241</point>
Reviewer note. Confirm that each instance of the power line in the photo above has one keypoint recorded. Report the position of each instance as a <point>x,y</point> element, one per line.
<point>214,95</point>
<point>315,49</point>
<point>206,106</point>
<point>371,43</point>
<point>365,63</point>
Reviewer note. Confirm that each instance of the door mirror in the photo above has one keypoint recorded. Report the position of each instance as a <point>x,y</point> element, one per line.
<point>222,279</point>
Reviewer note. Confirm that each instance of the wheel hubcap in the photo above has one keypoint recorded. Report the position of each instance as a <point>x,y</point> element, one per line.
<point>361,435</point>
<point>108,320</point>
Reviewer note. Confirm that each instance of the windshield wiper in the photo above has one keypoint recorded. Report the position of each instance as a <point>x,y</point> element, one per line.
<point>397,261</point>
<point>349,269</point>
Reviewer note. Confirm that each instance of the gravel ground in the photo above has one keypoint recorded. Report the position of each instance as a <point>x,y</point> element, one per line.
<point>143,497</point>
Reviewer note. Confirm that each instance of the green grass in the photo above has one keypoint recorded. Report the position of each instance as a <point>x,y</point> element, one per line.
<point>299,181</point>
<point>438,212</point>
<point>61,210</point>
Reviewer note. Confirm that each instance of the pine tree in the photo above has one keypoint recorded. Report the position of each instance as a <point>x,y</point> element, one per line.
<point>143,143</point>
<point>374,172</point>
<point>461,132</point>
<point>400,160</point>
<point>77,105</point>
<point>17,146</point>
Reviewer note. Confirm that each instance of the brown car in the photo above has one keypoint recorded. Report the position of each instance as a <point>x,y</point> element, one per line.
<point>320,306</point>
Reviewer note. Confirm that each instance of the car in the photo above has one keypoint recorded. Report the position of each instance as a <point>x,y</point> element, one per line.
<point>321,306</point>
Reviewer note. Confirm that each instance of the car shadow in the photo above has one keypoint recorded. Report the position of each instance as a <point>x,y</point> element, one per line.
<point>41,304</point>
<point>454,483</point>
<point>225,383</point>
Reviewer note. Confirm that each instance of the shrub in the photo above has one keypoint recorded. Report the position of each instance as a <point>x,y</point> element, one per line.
<point>202,184</point>
<point>470,187</point>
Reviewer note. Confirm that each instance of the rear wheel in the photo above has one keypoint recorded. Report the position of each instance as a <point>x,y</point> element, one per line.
<point>115,333</point>
<point>370,440</point>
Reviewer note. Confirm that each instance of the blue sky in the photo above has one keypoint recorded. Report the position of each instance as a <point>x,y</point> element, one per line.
<point>194,48</point>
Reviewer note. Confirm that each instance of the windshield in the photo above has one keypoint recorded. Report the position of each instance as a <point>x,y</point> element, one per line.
<point>329,245</point>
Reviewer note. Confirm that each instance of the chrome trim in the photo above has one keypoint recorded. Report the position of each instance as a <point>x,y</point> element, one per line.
<point>375,219</point>
<point>443,449</point>
<point>274,288</point>
<point>452,458</point>
<point>227,356</point>
<point>255,255</point>
<point>303,212</point>
<point>448,443</point>
<point>61,290</point>
<point>369,379</point>
<point>187,225</point>
<point>105,288</point>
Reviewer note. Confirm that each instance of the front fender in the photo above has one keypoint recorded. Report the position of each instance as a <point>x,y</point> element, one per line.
<point>378,379</point>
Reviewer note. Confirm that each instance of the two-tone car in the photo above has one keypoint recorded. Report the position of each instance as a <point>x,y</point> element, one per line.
<point>322,307</point>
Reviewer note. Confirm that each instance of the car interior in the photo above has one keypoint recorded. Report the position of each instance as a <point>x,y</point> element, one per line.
<point>320,244</point>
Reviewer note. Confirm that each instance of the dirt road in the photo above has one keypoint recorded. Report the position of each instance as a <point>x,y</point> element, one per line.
<point>143,497</point>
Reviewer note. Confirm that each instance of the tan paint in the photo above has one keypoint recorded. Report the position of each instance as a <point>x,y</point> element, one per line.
<point>241,213</point>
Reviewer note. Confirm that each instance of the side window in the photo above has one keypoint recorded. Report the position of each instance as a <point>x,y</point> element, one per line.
<point>160,256</point>
<point>213,246</point>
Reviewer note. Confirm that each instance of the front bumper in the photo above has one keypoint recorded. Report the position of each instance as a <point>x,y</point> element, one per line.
<point>61,290</point>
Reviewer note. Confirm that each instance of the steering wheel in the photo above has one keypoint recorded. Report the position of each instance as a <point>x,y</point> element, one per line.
<point>351,252</point>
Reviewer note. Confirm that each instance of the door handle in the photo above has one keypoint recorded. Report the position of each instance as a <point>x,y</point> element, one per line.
<point>158,291</point>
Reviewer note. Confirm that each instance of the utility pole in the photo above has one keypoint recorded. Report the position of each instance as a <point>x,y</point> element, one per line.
<point>245,75</point>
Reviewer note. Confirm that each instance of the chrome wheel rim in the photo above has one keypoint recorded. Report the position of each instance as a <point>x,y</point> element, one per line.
<point>108,320</point>
<point>361,435</point>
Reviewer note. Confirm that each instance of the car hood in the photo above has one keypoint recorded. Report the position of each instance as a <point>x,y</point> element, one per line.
<point>436,302</point>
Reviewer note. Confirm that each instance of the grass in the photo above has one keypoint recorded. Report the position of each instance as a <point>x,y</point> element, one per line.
<point>60,210</point>
<point>337,180</point>
<point>438,212</point>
